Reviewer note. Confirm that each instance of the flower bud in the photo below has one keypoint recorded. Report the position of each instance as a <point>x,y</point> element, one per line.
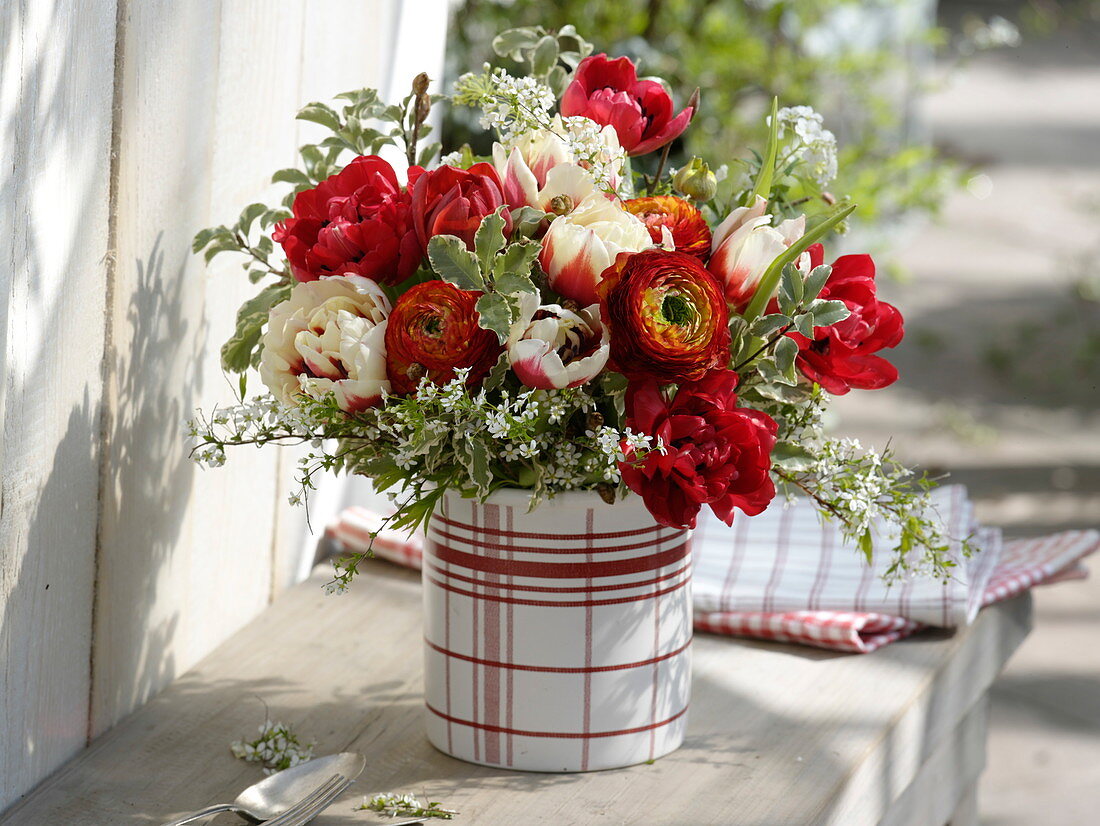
<point>594,421</point>
<point>420,84</point>
<point>696,181</point>
<point>416,372</point>
<point>561,205</point>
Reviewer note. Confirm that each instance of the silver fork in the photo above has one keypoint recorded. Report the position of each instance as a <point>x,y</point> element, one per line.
<point>309,807</point>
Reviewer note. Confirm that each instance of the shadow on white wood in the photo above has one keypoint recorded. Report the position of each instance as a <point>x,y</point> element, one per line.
<point>55,117</point>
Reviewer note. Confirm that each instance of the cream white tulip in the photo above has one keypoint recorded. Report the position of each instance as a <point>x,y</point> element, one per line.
<point>550,347</point>
<point>542,165</point>
<point>580,245</point>
<point>328,338</point>
<point>745,244</point>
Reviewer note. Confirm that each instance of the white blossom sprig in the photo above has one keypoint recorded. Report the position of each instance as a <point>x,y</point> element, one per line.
<point>277,748</point>
<point>405,805</point>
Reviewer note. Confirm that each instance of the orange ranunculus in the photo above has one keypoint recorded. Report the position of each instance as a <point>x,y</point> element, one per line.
<point>432,332</point>
<point>667,317</point>
<point>686,224</point>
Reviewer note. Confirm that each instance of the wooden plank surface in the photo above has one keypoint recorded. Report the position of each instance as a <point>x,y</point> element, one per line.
<point>55,141</point>
<point>778,734</point>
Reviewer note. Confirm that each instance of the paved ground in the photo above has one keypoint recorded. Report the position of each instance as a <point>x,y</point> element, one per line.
<point>1000,387</point>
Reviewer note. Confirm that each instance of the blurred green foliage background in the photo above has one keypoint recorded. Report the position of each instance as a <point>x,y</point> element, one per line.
<point>862,63</point>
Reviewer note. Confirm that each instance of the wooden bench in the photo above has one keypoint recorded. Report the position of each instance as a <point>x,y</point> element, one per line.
<point>779,735</point>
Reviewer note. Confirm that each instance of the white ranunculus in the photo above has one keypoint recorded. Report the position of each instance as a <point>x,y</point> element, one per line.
<point>550,347</point>
<point>328,338</point>
<point>580,245</point>
<point>542,164</point>
<point>745,244</point>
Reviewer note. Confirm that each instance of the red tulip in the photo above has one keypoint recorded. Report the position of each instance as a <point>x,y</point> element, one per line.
<point>452,201</point>
<point>609,92</point>
<point>842,356</point>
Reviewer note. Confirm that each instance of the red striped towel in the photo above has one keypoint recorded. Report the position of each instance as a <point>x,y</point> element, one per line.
<point>784,576</point>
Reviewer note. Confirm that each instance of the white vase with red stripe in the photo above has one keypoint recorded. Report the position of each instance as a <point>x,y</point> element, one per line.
<point>557,640</point>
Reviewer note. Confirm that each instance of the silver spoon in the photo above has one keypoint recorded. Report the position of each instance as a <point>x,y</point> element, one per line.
<point>275,794</point>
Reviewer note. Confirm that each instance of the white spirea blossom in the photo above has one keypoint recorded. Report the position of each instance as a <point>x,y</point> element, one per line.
<point>277,748</point>
<point>810,142</point>
<point>509,105</point>
<point>597,148</point>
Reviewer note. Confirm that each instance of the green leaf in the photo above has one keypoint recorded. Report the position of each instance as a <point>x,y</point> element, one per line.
<point>510,283</point>
<point>238,352</point>
<point>249,214</point>
<point>455,264</point>
<point>786,350</point>
<point>792,457</point>
<point>476,454</point>
<point>320,113</point>
<point>804,324</point>
<point>496,376</point>
<point>790,289</point>
<point>292,176</point>
<point>787,393</point>
<point>512,42</point>
<point>763,186</point>
<point>221,244</point>
<point>768,324</point>
<point>557,80</point>
<point>526,221</point>
<point>496,312</point>
<point>815,281</point>
<point>273,216</point>
<point>544,56</point>
<point>517,259</point>
<point>828,313</point>
<point>489,239</point>
<point>766,288</point>
<point>867,545</point>
<point>204,236</point>
<point>428,152</point>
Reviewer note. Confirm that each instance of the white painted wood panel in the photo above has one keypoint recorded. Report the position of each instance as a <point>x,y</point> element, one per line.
<point>172,581</point>
<point>55,117</point>
<point>111,331</point>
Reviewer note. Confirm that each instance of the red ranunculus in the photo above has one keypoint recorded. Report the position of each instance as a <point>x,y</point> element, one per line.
<point>609,92</point>
<point>452,201</point>
<point>842,356</point>
<point>356,222</point>
<point>684,222</point>
<point>667,316</point>
<point>716,453</point>
<point>432,332</point>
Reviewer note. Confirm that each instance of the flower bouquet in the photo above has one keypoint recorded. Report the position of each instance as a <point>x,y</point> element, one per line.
<point>554,357</point>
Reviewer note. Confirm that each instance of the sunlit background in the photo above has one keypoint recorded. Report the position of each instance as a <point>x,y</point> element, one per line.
<point>970,138</point>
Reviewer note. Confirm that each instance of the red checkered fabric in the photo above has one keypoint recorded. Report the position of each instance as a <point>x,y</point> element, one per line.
<point>735,579</point>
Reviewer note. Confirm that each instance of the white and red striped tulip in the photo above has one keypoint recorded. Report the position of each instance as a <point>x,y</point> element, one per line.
<point>581,244</point>
<point>745,244</point>
<point>551,348</point>
<point>542,165</point>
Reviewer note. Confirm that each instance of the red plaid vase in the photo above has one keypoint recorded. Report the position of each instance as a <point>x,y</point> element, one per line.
<point>555,640</point>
